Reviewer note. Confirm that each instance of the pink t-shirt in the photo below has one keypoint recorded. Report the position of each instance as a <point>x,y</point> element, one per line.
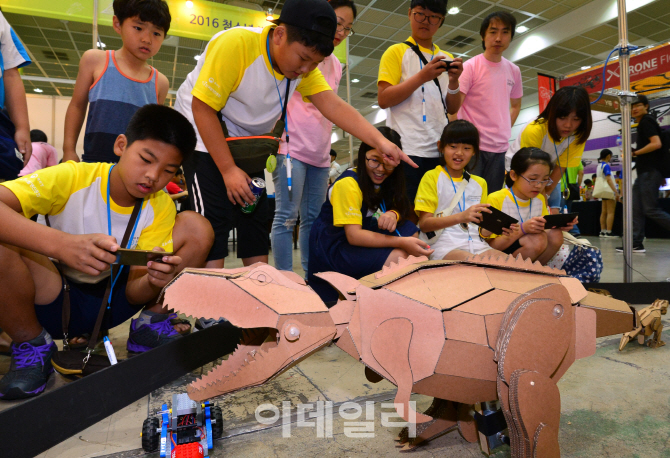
<point>488,88</point>
<point>44,155</point>
<point>308,129</point>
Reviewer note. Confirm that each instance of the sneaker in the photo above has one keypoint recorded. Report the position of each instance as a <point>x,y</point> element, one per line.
<point>609,235</point>
<point>636,249</point>
<point>29,370</point>
<point>147,336</point>
<point>602,234</point>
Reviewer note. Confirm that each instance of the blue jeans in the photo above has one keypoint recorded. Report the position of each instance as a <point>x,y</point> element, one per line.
<point>308,192</point>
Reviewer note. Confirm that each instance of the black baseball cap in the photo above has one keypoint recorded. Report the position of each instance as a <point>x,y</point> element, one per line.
<point>315,15</point>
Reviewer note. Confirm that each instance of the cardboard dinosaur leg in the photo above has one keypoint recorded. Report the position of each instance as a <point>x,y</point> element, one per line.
<point>444,418</point>
<point>656,341</point>
<point>390,347</point>
<point>466,423</point>
<point>543,322</point>
<point>536,407</point>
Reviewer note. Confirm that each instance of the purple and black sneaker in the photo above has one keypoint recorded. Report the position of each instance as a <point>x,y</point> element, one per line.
<point>29,370</point>
<point>147,336</point>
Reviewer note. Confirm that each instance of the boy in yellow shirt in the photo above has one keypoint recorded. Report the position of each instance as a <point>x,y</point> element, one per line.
<point>89,209</point>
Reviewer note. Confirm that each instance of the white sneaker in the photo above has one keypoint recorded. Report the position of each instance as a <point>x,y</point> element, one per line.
<point>609,235</point>
<point>602,234</point>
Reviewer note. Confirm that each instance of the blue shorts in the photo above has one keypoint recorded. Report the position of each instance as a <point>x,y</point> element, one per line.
<point>85,302</point>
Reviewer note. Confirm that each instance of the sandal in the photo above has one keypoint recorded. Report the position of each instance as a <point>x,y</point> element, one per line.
<point>176,321</point>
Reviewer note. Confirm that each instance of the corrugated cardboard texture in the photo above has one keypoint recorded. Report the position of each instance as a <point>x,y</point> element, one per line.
<point>458,389</point>
<point>585,332</point>
<point>465,327</point>
<point>492,328</point>
<point>463,359</point>
<point>393,272</point>
<point>342,283</point>
<point>520,282</point>
<point>345,343</point>
<point>510,263</point>
<point>575,288</point>
<point>490,303</point>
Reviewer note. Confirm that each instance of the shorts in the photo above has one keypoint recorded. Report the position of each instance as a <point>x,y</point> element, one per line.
<point>512,248</point>
<point>85,302</point>
<point>208,196</point>
<point>413,176</point>
<point>454,238</point>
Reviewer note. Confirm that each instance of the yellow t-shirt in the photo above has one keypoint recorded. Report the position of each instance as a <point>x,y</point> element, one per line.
<point>537,134</point>
<point>234,76</point>
<point>74,195</point>
<point>346,198</point>
<point>504,201</point>
<point>436,192</point>
<point>419,137</point>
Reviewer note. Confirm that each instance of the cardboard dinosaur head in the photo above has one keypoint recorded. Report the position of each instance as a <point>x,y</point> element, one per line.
<point>283,320</point>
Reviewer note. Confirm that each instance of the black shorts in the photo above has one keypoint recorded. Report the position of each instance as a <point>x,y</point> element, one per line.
<point>512,248</point>
<point>208,196</point>
<point>85,302</point>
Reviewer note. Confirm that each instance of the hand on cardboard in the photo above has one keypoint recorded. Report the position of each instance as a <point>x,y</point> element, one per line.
<point>22,139</point>
<point>237,186</point>
<point>570,225</point>
<point>473,214</point>
<point>415,247</point>
<point>534,225</point>
<point>387,221</point>
<point>88,253</point>
<point>160,273</point>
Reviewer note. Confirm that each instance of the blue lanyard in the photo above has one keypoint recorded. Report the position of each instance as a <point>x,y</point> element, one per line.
<point>423,92</point>
<point>382,207</point>
<point>567,161</point>
<point>281,104</point>
<point>530,206</point>
<point>109,232</point>
<point>462,209</point>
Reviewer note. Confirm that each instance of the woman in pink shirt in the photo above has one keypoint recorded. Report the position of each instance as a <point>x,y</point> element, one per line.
<point>44,155</point>
<point>309,150</point>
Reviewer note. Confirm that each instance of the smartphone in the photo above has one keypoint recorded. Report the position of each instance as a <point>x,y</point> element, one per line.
<point>496,220</point>
<point>448,63</point>
<point>126,257</point>
<point>559,220</point>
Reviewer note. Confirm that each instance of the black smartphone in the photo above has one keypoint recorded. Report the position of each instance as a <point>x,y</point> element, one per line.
<point>128,257</point>
<point>560,220</point>
<point>448,63</point>
<point>496,220</point>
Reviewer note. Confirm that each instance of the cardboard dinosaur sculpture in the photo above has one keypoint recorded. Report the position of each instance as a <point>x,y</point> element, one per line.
<point>460,331</point>
<point>648,321</point>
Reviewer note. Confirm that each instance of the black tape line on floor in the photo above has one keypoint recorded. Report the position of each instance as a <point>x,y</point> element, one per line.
<point>38,424</point>
<point>635,293</point>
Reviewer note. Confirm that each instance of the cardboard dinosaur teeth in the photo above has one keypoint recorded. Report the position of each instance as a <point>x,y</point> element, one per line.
<point>464,332</point>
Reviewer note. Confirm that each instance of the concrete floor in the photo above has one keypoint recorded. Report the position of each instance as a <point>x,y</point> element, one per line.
<point>614,404</point>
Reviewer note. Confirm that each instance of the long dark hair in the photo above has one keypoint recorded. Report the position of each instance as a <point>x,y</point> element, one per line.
<point>460,131</point>
<point>523,159</point>
<point>562,103</point>
<point>392,189</point>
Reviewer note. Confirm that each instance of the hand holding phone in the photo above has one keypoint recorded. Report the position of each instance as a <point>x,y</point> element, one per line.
<point>127,257</point>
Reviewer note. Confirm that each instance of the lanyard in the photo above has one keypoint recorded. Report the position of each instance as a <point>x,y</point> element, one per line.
<point>567,161</point>
<point>109,232</point>
<point>382,207</point>
<point>423,92</point>
<point>281,105</point>
<point>462,209</point>
<point>530,206</point>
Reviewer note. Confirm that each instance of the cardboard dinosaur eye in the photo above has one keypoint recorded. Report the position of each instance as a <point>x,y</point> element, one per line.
<point>292,333</point>
<point>557,311</point>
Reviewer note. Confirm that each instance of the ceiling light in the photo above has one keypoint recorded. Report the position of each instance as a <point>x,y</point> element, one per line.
<point>454,10</point>
<point>375,106</point>
<point>270,17</point>
<point>522,29</point>
<point>197,57</point>
<point>355,80</point>
<point>189,4</point>
<point>38,90</point>
<point>586,67</point>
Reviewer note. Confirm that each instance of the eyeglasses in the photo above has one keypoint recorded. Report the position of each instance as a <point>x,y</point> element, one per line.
<point>432,20</point>
<point>548,182</point>
<point>374,164</point>
<point>348,31</point>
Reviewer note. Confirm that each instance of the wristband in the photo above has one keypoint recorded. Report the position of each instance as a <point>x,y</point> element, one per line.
<point>453,91</point>
<point>397,215</point>
<point>521,227</point>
